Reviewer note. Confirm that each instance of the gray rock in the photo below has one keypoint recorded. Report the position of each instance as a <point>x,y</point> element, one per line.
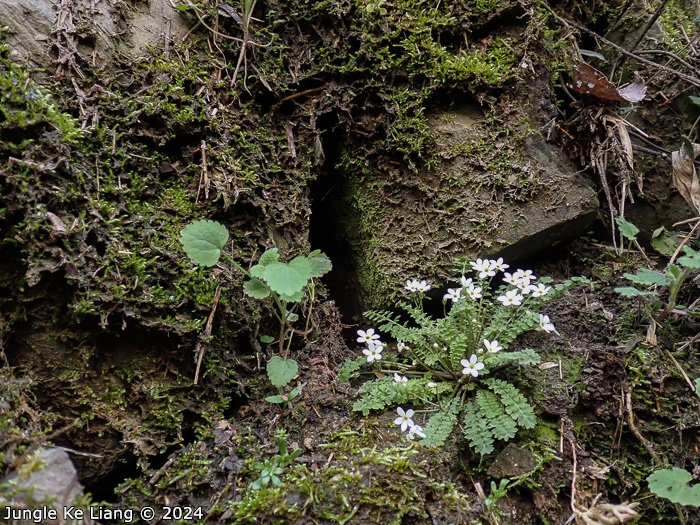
<point>512,462</point>
<point>44,483</point>
<point>95,29</point>
<point>494,188</point>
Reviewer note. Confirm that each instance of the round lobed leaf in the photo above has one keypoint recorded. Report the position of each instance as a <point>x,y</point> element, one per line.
<point>281,371</point>
<point>203,241</point>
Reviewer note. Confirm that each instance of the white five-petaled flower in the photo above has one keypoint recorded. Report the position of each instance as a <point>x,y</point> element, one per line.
<point>415,430</point>
<point>466,283</point>
<point>511,279</point>
<point>547,325</point>
<point>400,346</point>
<point>453,294</point>
<point>412,285</point>
<point>404,420</point>
<point>524,275</point>
<point>474,292</point>
<point>512,297</point>
<point>373,351</point>
<point>401,380</point>
<point>423,286</point>
<point>483,266</point>
<point>366,337</point>
<point>499,265</point>
<point>472,366</point>
<point>539,290</point>
<point>492,346</point>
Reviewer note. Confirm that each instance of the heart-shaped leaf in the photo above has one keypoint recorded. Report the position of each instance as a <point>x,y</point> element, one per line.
<point>281,371</point>
<point>203,241</point>
<point>287,279</point>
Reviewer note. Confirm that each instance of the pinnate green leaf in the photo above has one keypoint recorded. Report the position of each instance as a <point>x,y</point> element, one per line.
<point>440,425</point>
<point>673,484</point>
<point>349,368</point>
<point>203,241</point>
<point>281,371</point>
<point>477,431</point>
<point>514,402</point>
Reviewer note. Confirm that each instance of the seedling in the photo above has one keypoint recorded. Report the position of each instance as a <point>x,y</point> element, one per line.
<point>671,279</point>
<point>273,468</point>
<point>284,399</point>
<point>284,284</point>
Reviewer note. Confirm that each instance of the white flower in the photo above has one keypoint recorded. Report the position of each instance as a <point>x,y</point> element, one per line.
<point>466,283</point>
<point>402,380</point>
<point>373,351</point>
<point>401,346</point>
<point>474,292</point>
<point>412,285</point>
<point>422,286</point>
<point>366,337</point>
<point>498,265</point>
<point>404,420</point>
<point>472,366</point>
<point>546,324</point>
<point>511,279</point>
<point>539,290</point>
<point>524,274</point>
<point>454,294</point>
<point>415,430</point>
<point>492,346</point>
<point>483,266</point>
<point>431,384</point>
<point>512,297</point>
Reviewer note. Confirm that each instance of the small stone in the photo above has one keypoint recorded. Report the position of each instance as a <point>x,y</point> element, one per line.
<point>512,462</point>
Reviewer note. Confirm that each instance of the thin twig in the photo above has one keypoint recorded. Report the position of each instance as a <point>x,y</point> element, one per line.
<point>688,78</point>
<point>201,346</point>
<point>630,423</point>
<point>684,242</point>
<point>618,63</point>
<point>678,367</point>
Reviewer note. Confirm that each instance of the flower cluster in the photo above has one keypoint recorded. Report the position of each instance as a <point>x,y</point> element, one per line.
<point>374,345</point>
<point>406,423</point>
<point>414,285</point>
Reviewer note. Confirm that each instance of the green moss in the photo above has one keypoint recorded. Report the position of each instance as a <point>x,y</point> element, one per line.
<point>360,481</point>
<point>26,106</point>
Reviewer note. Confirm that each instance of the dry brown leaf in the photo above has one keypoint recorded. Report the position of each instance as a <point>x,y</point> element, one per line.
<point>685,178</point>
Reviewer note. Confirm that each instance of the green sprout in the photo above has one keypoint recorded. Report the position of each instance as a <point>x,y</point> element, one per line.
<point>284,284</point>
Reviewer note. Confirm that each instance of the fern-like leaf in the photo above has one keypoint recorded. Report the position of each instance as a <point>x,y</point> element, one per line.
<point>501,424</point>
<point>526,356</point>
<point>349,368</point>
<point>376,395</point>
<point>476,430</point>
<point>441,424</point>
<point>514,402</point>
